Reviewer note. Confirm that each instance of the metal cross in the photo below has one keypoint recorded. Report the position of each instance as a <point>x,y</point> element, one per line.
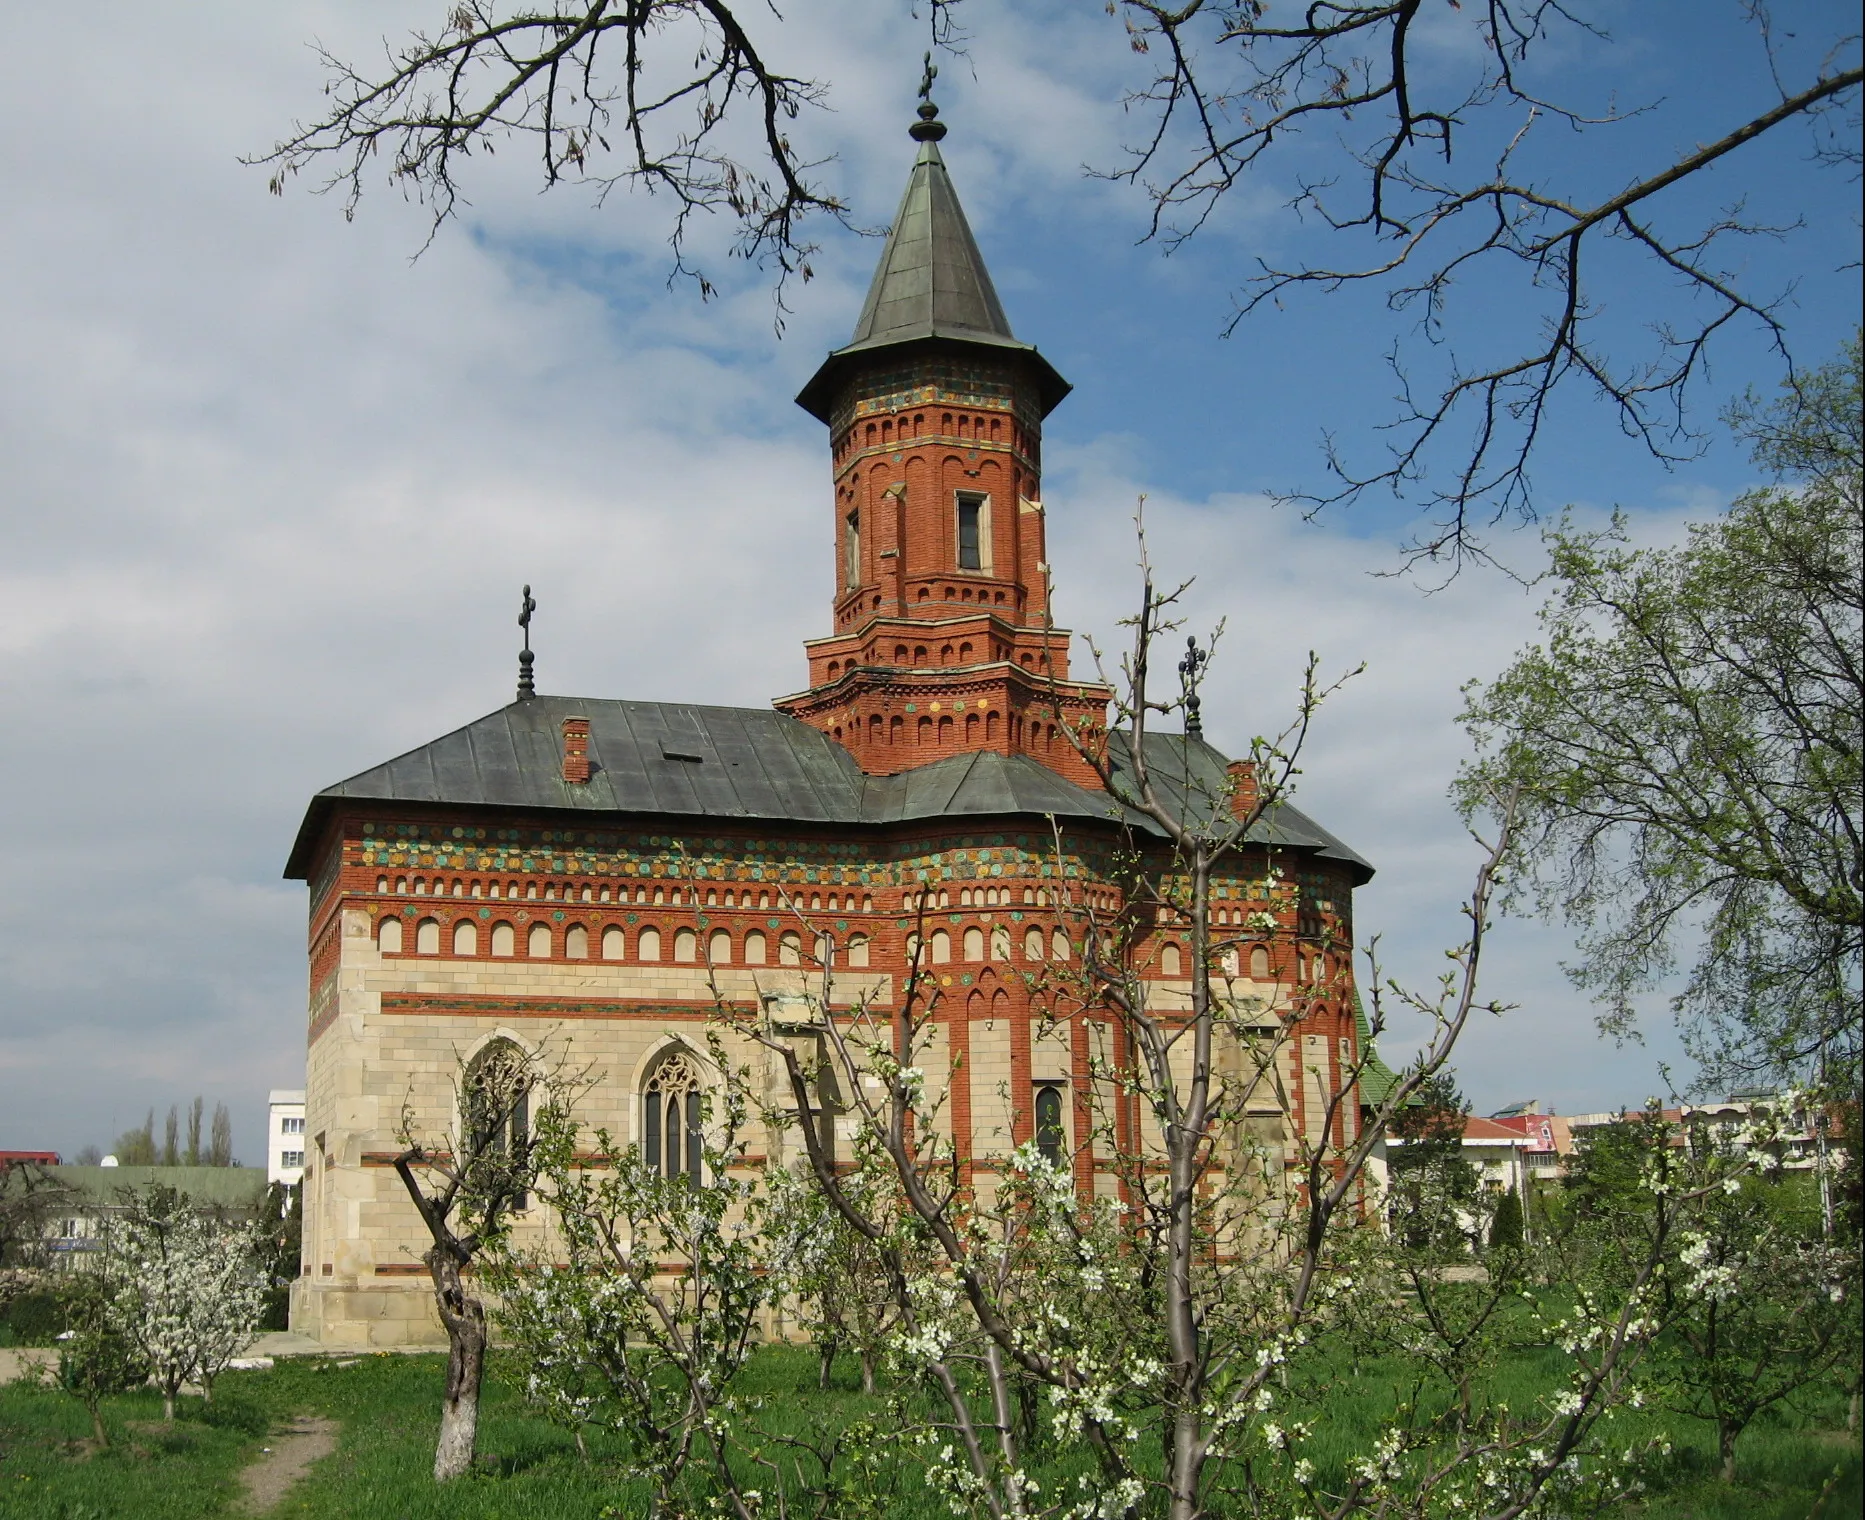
<point>1188,680</point>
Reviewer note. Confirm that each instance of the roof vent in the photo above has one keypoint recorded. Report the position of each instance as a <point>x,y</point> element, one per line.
<point>576,750</point>
<point>690,756</point>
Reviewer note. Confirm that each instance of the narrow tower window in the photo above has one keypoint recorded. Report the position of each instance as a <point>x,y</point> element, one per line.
<point>854,547</point>
<point>970,533</point>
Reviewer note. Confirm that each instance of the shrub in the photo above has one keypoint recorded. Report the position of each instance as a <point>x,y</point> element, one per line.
<point>34,1318</point>
<point>96,1358</point>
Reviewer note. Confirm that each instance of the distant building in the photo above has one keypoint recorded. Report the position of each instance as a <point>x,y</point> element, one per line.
<point>94,1193</point>
<point>27,1158</point>
<point>285,1135</point>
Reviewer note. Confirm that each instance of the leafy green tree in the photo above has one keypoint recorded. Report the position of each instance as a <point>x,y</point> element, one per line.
<point>137,1147</point>
<point>1435,1189</point>
<point>1505,1226</point>
<point>1685,750</point>
<point>220,1139</point>
<point>1757,1307</point>
<point>96,1358</point>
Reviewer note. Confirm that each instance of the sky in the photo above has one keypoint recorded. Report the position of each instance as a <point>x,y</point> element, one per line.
<point>270,483</point>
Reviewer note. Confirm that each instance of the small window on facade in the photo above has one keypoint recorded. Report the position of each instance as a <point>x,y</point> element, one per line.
<point>1170,962</point>
<point>576,943</point>
<point>537,946</point>
<point>858,950</point>
<point>504,940</point>
<point>614,943</point>
<point>971,533</point>
<point>427,937</point>
<point>648,945</point>
<point>790,949</point>
<point>974,944</point>
<point>1059,946</point>
<point>852,564</point>
<point>1050,1139</point>
<point>685,945</point>
<point>1259,964</point>
<point>941,946</point>
<point>465,938</point>
<point>1032,944</point>
<point>719,948</point>
<point>755,948</point>
<point>388,936</point>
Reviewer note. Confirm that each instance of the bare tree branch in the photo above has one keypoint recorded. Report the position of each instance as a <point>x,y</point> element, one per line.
<point>1236,83</point>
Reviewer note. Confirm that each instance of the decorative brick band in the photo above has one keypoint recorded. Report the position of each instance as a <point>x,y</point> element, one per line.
<point>488,1006</point>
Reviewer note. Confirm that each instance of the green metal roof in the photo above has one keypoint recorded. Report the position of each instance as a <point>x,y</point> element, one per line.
<point>930,290</point>
<point>234,1187</point>
<point>674,760</point>
<point>1377,1079</point>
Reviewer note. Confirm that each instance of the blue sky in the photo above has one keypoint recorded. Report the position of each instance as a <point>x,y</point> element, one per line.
<point>272,485</point>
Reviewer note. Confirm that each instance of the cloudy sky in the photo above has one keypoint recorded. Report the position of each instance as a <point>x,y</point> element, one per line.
<point>269,486</point>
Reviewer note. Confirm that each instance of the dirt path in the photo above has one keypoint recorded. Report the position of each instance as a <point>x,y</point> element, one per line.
<point>290,1449</point>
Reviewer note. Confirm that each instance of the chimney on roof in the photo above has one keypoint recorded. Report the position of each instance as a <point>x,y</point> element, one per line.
<point>576,750</point>
<point>1244,788</point>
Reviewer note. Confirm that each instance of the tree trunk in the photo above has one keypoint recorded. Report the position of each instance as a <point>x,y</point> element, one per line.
<point>97,1427</point>
<point>168,1403</point>
<point>867,1371</point>
<point>826,1355</point>
<point>1726,1432</point>
<point>465,1319</point>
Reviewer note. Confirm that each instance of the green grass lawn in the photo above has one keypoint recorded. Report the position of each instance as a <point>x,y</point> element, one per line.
<point>388,1406</point>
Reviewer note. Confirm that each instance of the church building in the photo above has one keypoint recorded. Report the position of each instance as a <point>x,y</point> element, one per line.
<point>588,874</point>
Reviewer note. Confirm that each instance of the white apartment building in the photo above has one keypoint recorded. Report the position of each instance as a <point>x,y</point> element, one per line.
<point>285,1135</point>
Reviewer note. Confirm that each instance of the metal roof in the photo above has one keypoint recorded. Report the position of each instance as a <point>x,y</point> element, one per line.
<point>239,1187</point>
<point>931,278</point>
<point>930,289</point>
<point>674,760</point>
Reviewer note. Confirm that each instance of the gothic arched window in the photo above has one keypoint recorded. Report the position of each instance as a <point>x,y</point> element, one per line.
<point>670,1117</point>
<point>495,1104</point>
<point>1049,1135</point>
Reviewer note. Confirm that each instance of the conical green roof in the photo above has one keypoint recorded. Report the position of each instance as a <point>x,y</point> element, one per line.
<point>930,289</point>
<point>931,281</point>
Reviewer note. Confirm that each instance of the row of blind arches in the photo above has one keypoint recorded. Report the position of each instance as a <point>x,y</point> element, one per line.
<point>753,948</point>
<point>979,728</point>
<point>541,942</point>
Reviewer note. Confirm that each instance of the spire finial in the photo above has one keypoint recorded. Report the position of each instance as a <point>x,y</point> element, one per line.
<point>1188,679</point>
<point>928,128</point>
<point>527,689</point>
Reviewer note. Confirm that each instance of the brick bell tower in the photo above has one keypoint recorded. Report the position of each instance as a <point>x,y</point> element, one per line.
<point>943,643</point>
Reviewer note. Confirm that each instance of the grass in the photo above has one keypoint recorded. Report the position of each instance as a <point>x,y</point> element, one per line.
<point>389,1409</point>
